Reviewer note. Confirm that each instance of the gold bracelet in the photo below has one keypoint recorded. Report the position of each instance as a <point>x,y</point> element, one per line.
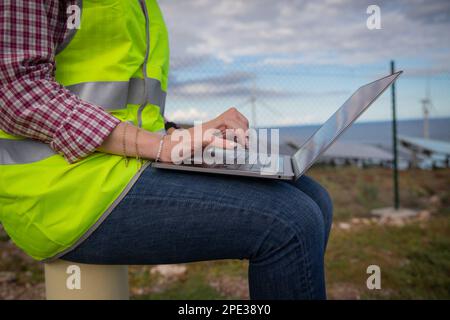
<point>136,145</point>
<point>161,143</point>
<point>124,144</point>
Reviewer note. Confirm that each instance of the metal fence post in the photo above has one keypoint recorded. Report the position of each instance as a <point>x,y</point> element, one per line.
<point>394,143</point>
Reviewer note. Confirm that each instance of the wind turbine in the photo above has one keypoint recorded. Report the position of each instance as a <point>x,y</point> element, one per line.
<point>252,101</point>
<point>426,107</point>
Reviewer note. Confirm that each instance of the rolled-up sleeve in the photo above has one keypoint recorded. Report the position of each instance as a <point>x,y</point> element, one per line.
<point>32,103</point>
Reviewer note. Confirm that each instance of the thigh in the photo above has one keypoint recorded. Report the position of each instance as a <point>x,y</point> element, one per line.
<point>175,217</point>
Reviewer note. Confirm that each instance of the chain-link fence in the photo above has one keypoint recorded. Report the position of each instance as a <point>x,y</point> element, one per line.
<point>292,64</point>
<point>298,98</point>
<point>289,63</point>
<point>274,96</point>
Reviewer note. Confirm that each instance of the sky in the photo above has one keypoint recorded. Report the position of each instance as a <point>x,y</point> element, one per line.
<point>300,60</point>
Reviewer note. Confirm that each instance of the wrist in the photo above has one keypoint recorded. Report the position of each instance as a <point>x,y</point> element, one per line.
<point>166,149</point>
<point>149,145</point>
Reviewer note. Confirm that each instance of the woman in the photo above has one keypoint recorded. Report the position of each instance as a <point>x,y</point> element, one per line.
<point>82,95</point>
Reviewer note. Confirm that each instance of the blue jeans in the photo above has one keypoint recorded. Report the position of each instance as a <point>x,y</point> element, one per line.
<point>177,217</point>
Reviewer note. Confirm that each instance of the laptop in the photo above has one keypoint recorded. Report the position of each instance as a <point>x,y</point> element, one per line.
<point>293,167</point>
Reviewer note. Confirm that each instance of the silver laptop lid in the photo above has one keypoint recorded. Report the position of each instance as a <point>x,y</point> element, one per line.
<point>338,122</point>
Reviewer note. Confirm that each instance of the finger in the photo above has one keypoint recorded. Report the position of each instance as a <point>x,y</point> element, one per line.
<point>234,115</point>
<point>239,118</point>
<point>222,143</point>
<point>231,123</point>
<point>234,130</point>
<point>210,134</point>
<point>239,136</point>
<point>243,119</point>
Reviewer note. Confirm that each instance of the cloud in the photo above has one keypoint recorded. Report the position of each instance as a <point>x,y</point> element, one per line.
<point>307,32</point>
<point>313,52</point>
<point>227,79</point>
<point>222,85</point>
<point>187,115</point>
<point>236,84</point>
<point>428,12</point>
<point>295,121</point>
<point>427,72</point>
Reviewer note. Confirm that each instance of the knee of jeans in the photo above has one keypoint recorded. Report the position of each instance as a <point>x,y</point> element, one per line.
<point>305,216</point>
<point>296,224</point>
<point>321,196</point>
<point>326,204</point>
<point>274,240</point>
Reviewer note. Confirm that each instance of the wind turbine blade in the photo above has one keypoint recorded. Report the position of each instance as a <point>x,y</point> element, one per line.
<point>243,104</point>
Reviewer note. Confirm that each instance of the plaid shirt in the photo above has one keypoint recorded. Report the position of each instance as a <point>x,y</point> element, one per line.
<point>32,103</point>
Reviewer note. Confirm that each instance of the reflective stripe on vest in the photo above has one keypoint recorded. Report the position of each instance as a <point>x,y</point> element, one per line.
<point>23,151</point>
<point>26,151</point>
<point>113,95</point>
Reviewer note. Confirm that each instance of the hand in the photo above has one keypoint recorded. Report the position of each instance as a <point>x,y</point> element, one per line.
<point>231,122</point>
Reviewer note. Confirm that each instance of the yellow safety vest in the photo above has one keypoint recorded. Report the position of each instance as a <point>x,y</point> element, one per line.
<point>118,59</point>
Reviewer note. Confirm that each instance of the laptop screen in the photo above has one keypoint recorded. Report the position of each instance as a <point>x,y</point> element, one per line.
<point>338,122</point>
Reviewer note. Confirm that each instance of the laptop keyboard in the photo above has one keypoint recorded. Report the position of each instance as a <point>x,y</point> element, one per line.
<point>256,167</point>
